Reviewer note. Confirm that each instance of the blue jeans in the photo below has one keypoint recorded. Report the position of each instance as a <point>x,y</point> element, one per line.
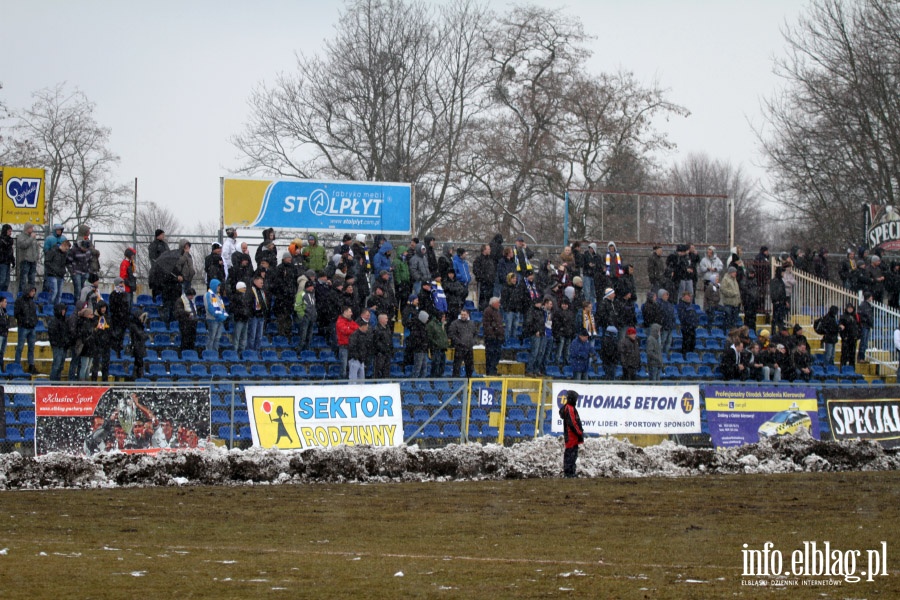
<point>344,358</point>
<point>240,335</point>
<point>356,370</point>
<point>587,286</point>
<point>255,332</point>
<point>3,341</point>
<point>540,346</point>
<point>305,333</point>
<point>78,281</point>
<point>863,343</point>
<point>84,368</point>
<point>510,319</point>
<point>27,274</point>
<point>213,333</point>
<point>654,373</point>
<point>665,341</point>
<point>30,336</point>
<point>420,365</point>
<point>562,351</point>
<point>438,362</point>
<point>4,278</point>
<point>54,288</point>
<point>59,361</point>
<point>828,359</point>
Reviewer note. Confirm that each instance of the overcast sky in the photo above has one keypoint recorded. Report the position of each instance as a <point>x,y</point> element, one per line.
<point>172,78</point>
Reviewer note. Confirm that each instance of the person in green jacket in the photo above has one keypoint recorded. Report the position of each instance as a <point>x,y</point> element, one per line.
<point>438,342</point>
<point>314,254</point>
<point>402,279</point>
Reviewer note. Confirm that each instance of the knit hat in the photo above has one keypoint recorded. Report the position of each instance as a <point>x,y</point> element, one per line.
<point>612,329</point>
<point>797,328</point>
<point>423,316</point>
<point>631,331</point>
<point>732,269</point>
<point>662,292</point>
<point>240,286</point>
<point>129,252</point>
<point>569,293</point>
<point>118,281</point>
<point>285,255</point>
<point>608,292</point>
<point>412,297</point>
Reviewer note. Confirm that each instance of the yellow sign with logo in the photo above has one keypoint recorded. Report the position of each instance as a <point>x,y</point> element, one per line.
<point>22,195</point>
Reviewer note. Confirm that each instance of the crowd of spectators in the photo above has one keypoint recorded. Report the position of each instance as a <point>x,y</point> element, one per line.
<point>573,309</point>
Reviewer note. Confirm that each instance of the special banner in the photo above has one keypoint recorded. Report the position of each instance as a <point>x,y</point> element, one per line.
<point>309,205</point>
<point>741,414</point>
<point>93,419</point>
<point>870,413</point>
<point>318,416</point>
<point>632,408</point>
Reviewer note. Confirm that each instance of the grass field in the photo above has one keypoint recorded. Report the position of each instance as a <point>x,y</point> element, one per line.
<point>540,538</point>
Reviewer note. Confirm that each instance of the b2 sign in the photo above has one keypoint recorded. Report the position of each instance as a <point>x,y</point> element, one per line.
<point>309,205</point>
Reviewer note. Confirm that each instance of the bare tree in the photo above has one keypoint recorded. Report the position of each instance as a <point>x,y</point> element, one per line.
<point>58,133</point>
<point>833,135</point>
<point>700,220</point>
<point>389,100</point>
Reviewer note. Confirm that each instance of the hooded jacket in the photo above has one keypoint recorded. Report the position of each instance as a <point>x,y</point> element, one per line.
<point>461,267</point>
<point>58,328</point>
<point>314,254</point>
<point>418,265</point>
<point>215,308</point>
<point>268,254</point>
<point>382,262</point>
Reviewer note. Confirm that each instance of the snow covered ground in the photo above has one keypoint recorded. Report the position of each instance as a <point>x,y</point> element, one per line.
<point>538,458</point>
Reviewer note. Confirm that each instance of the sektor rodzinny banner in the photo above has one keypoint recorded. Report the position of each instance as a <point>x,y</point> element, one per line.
<point>865,413</point>
<point>632,408</point>
<point>310,205</point>
<point>93,419</point>
<point>739,415</point>
<point>310,416</point>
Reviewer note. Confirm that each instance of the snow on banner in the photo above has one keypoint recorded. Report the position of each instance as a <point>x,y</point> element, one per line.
<point>317,416</point>
<point>92,419</point>
<point>633,408</point>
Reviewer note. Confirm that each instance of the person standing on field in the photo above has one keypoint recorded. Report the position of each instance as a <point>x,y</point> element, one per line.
<point>573,432</point>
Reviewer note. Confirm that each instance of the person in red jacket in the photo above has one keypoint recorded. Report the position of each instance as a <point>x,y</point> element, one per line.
<point>126,272</point>
<point>344,327</point>
<point>573,432</point>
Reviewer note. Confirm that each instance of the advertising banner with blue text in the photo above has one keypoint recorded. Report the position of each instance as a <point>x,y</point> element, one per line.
<point>868,413</point>
<point>309,205</point>
<point>318,416</point>
<point>632,408</point>
<point>744,414</point>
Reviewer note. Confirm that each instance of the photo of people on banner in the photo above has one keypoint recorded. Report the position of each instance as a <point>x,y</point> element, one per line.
<point>90,420</point>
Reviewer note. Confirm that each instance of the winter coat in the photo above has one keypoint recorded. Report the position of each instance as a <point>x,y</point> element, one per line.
<point>314,255</point>
<point>263,252</point>
<point>687,315</point>
<point>55,262</point>
<point>437,337</point>
<point>573,430</point>
<point>215,308</point>
<point>400,266</point>
<point>58,328</point>
<point>157,248</point>
<point>484,269</point>
<point>214,267</point>
<point>240,307</point>
<point>360,345</point>
<point>418,265</point>
<point>492,321</point>
<point>462,333</point>
<point>7,246</point>
<point>461,267</point>
<point>27,247</point>
<point>630,353</point>
<point>25,311</point>
<point>381,261</point>
<point>654,348</point>
<point>580,354</point>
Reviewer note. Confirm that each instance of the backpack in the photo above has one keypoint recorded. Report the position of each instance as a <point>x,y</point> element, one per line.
<point>819,325</point>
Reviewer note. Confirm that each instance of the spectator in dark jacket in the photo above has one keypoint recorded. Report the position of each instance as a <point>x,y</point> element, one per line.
<point>359,351</point>
<point>240,312</point>
<point>418,344</point>
<point>573,433</point>
<point>829,330</point>
<point>214,265</point>
<point>580,352</point>
<point>849,326</point>
<point>485,270</point>
<point>689,322</point>
<point>25,312</point>
<point>137,331</point>
<point>630,355</point>
<point>609,352</point>
<point>100,343</point>
<point>492,322</point>
<point>58,335</point>
<point>382,347</point>
<point>4,329</point>
<point>186,315</point>
<point>119,314</point>
<point>563,330</point>
<point>55,269</point>
<point>462,333</point>
<point>7,256</point>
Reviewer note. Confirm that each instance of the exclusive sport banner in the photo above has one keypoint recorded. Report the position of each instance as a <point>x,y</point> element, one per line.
<point>93,419</point>
<point>867,413</point>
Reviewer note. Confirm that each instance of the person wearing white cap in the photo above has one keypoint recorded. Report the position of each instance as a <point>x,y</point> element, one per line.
<point>240,311</point>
